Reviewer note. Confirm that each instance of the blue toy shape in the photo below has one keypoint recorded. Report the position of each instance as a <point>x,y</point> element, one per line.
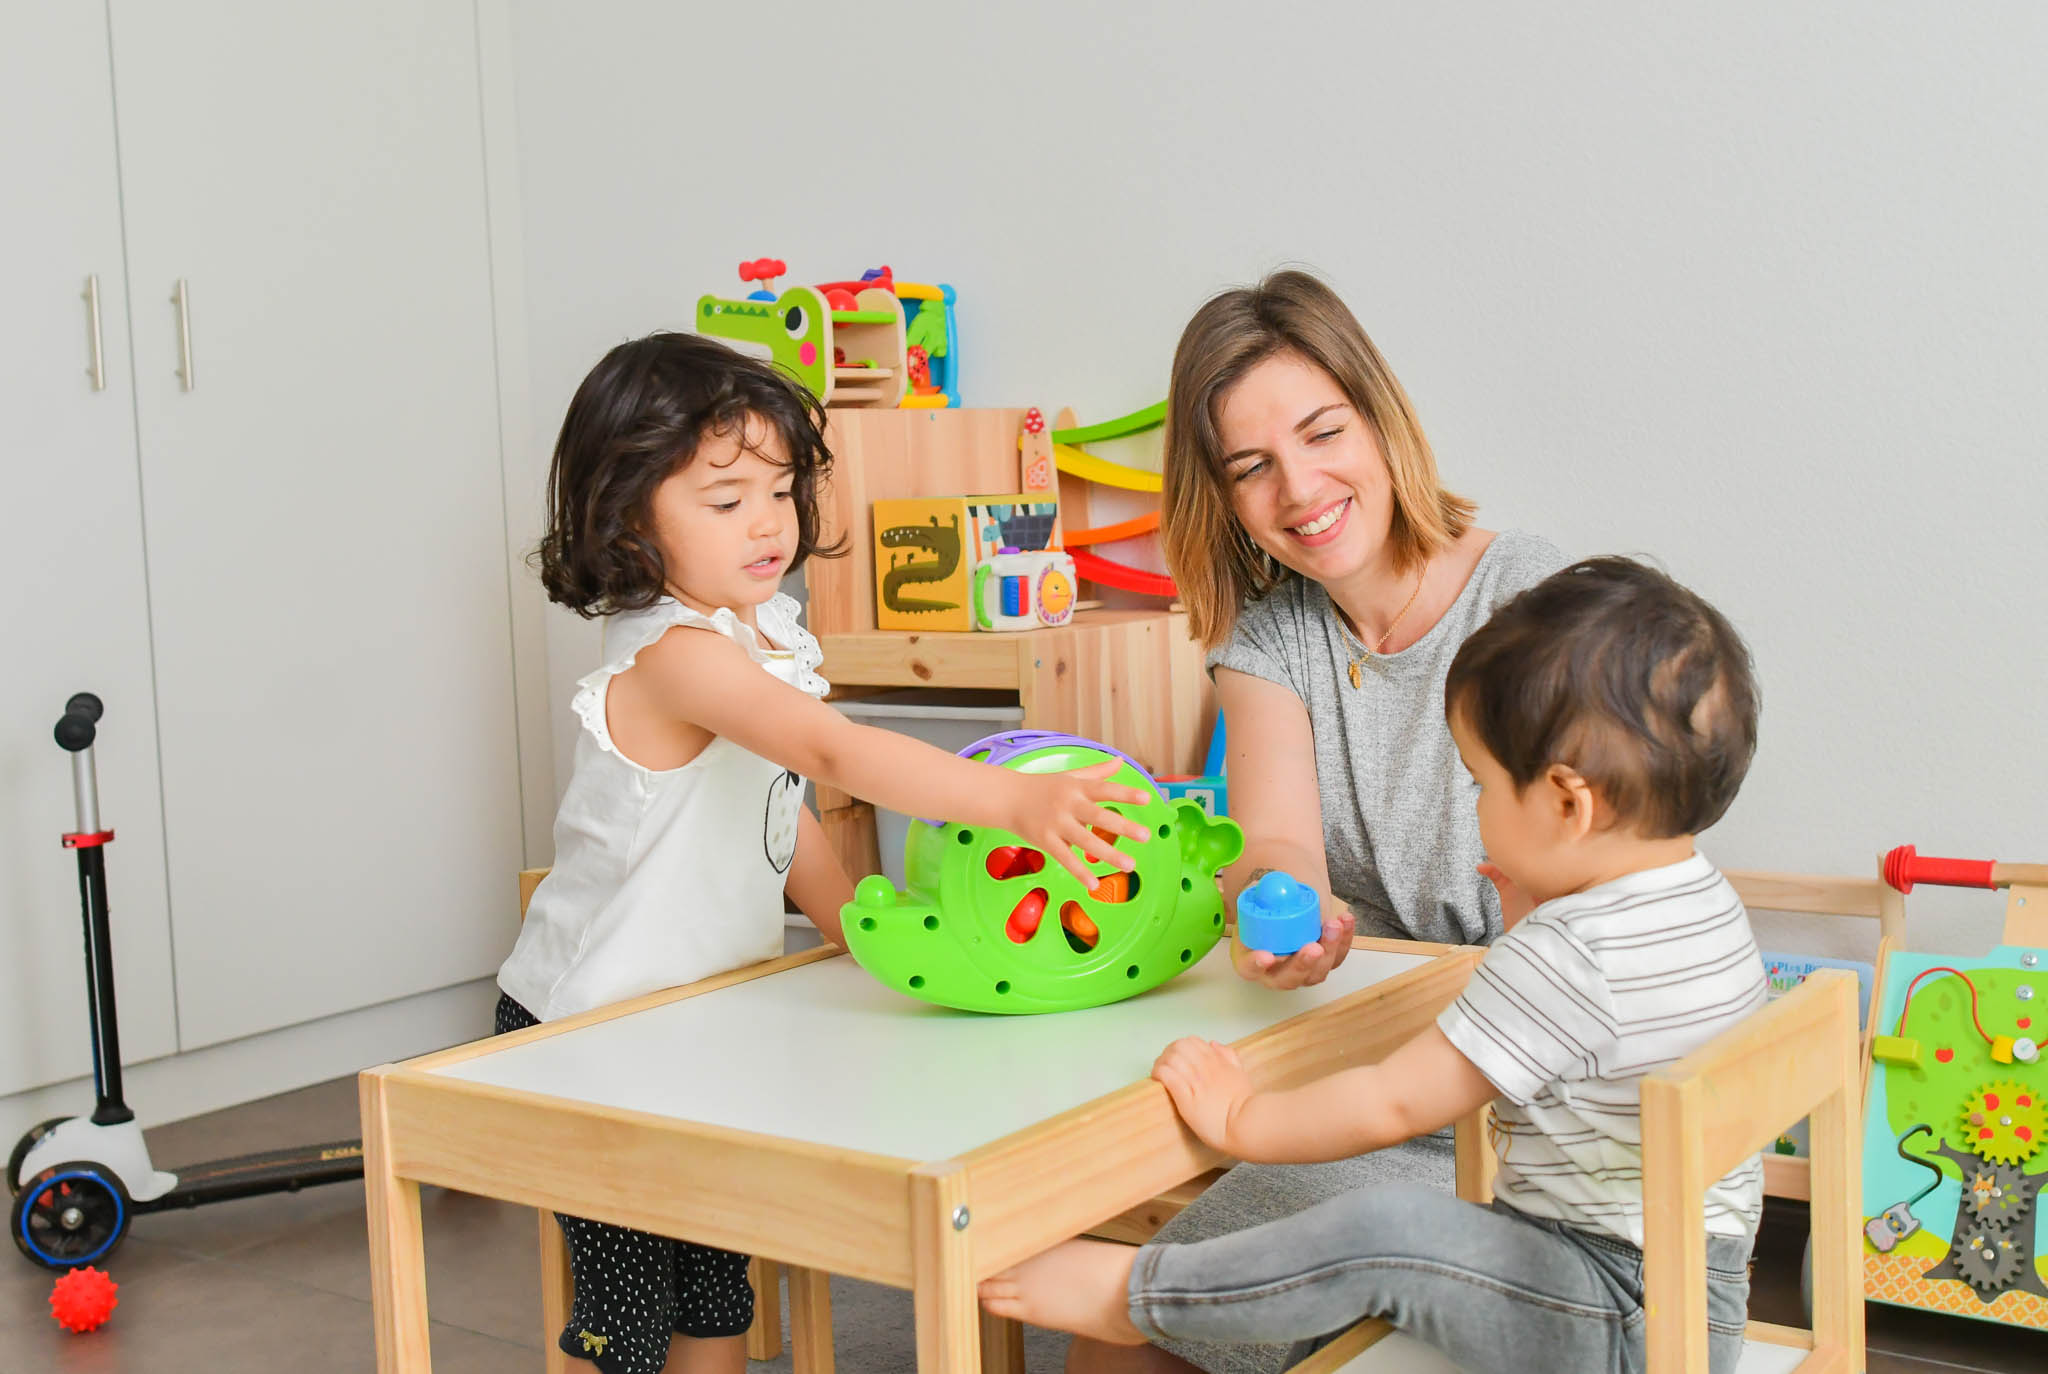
<point>1278,914</point>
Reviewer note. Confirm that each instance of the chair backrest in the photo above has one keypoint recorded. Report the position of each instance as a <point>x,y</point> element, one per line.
<point>1818,895</point>
<point>529,879</point>
<point>1799,1057</point>
<point>1812,894</point>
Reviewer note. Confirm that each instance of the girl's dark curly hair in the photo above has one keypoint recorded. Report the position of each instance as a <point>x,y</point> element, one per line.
<point>636,420</point>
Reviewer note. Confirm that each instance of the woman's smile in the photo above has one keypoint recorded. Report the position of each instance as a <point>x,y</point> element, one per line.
<point>1324,526</point>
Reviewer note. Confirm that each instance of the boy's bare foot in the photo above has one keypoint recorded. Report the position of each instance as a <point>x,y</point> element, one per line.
<point>1079,1286</point>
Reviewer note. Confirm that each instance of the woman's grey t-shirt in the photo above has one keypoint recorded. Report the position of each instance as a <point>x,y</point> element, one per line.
<point>1398,820</point>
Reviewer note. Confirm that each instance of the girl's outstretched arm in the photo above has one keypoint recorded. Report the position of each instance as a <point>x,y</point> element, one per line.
<point>817,881</point>
<point>700,679</point>
<point>1423,1086</point>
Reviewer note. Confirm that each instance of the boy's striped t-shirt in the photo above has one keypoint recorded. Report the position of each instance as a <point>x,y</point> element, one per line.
<point>1573,1006</point>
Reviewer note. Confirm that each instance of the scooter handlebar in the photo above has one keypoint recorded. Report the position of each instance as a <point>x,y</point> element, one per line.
<point>75,730</point>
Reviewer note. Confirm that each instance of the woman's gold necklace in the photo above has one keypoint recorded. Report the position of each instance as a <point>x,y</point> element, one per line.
<point>1365,654</point>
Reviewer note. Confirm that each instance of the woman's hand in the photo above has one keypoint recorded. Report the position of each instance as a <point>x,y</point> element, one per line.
<point>1304,968</point>
<point>1514,903</point>
<point>1208,1086</point>
<point>1057,812</point>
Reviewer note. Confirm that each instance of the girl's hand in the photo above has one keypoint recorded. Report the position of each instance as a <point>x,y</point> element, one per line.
<point>1056,812</point>
<point>1207,1084</point>
<point>1514,903</point>
<point>1304,968</point>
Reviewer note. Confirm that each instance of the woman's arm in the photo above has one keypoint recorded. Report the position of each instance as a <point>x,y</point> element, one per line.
<point>1421,1087</point>
<point>1275,800</point>
<point>700,679</point>
<point>817,881</point>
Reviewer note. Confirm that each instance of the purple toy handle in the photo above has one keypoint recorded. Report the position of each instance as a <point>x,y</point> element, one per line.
<point>1001,748</point>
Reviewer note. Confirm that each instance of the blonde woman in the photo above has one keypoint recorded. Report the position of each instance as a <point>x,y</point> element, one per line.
<point>1332,577</point>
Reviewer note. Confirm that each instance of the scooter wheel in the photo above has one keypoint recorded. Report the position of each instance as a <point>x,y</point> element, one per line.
<point>24,1145</point>
<point>70,1214</point>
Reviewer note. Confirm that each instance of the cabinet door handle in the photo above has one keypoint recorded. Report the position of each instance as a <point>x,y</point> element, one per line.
<point>98,370</point>
<point>181,296</point>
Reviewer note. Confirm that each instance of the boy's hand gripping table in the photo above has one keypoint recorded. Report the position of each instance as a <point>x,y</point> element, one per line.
<point>800,1111</point>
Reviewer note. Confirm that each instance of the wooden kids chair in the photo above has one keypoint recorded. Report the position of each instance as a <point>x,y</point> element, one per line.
<point>1802,894</point>
<point>1796,1058</point>
<point>810,1292</point>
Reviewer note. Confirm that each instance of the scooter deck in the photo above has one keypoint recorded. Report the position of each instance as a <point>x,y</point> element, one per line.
<point>268,1171</point>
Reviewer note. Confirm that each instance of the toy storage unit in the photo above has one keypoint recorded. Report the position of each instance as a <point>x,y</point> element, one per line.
<point>1131,678</point>
<point>952,720</point>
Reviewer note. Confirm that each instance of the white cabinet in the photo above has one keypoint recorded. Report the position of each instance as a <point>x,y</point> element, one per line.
<point>74,610</point>
<point>324,510</point>
<point>316,434</point>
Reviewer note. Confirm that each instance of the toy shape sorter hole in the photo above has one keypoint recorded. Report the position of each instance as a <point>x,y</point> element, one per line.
<point>984,922</point>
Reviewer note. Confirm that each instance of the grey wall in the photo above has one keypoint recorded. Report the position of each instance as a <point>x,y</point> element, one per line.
<point>1757,289</point>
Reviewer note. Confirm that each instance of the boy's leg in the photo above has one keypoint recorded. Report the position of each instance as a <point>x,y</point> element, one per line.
<point>1491,1290</point>
<point>1253,1194</point>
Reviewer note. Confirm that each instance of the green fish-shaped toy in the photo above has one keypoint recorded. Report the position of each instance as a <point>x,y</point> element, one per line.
<point>987,923</point>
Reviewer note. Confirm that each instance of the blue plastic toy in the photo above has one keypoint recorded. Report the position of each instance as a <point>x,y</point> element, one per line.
<point>1208,789</point>
<point>1278,914</point>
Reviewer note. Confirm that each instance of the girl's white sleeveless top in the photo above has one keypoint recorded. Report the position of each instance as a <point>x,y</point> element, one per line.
<point>664,877</point>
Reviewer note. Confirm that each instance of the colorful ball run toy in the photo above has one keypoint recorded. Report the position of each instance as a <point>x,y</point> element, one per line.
<point>986,923</point>
<point>1078,462</point>
<point>83,1299</point>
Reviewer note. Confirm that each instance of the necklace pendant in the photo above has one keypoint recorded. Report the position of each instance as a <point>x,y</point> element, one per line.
<point>1356,679</point>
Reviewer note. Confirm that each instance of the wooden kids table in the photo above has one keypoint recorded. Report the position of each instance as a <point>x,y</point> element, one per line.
<point>800,1111</point>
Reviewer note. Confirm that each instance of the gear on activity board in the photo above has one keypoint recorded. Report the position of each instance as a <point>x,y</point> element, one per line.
<point>2002,1122</point>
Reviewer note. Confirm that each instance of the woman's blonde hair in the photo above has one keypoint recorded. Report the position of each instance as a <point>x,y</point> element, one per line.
<point>1213,560</point>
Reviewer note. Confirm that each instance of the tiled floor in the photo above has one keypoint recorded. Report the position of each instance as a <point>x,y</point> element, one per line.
<point>282,1284</point>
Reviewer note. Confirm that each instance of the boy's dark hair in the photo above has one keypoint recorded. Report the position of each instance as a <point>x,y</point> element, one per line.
<point>1614,670</point>
<point>637,419</point>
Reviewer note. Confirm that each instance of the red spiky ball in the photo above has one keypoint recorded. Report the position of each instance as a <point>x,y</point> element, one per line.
<point>83,1299</point>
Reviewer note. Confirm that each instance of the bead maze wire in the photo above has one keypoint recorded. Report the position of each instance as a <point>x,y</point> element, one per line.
<point>1906,1007</point>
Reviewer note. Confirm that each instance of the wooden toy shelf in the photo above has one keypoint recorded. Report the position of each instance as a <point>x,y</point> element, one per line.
<point>1129,677</point>
<point>1041,665</point>
<point>1132,678</point>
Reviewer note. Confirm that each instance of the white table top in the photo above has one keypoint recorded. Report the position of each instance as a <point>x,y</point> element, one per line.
<point>824,1053</point>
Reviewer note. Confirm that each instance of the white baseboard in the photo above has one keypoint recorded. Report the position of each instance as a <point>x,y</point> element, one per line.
<point>205,1080</point>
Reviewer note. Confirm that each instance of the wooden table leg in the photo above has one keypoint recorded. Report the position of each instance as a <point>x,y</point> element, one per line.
<point>942,1272</point>
<point>398,1262</point>
<point>1002,1345</point>
<point>557,1292</point>
<point>810,1321</point>
<point>1474,1155</point>
<point>764,1337</point>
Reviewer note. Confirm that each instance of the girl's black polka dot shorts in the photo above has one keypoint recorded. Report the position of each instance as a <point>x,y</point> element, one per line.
<point>633,1289</point>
